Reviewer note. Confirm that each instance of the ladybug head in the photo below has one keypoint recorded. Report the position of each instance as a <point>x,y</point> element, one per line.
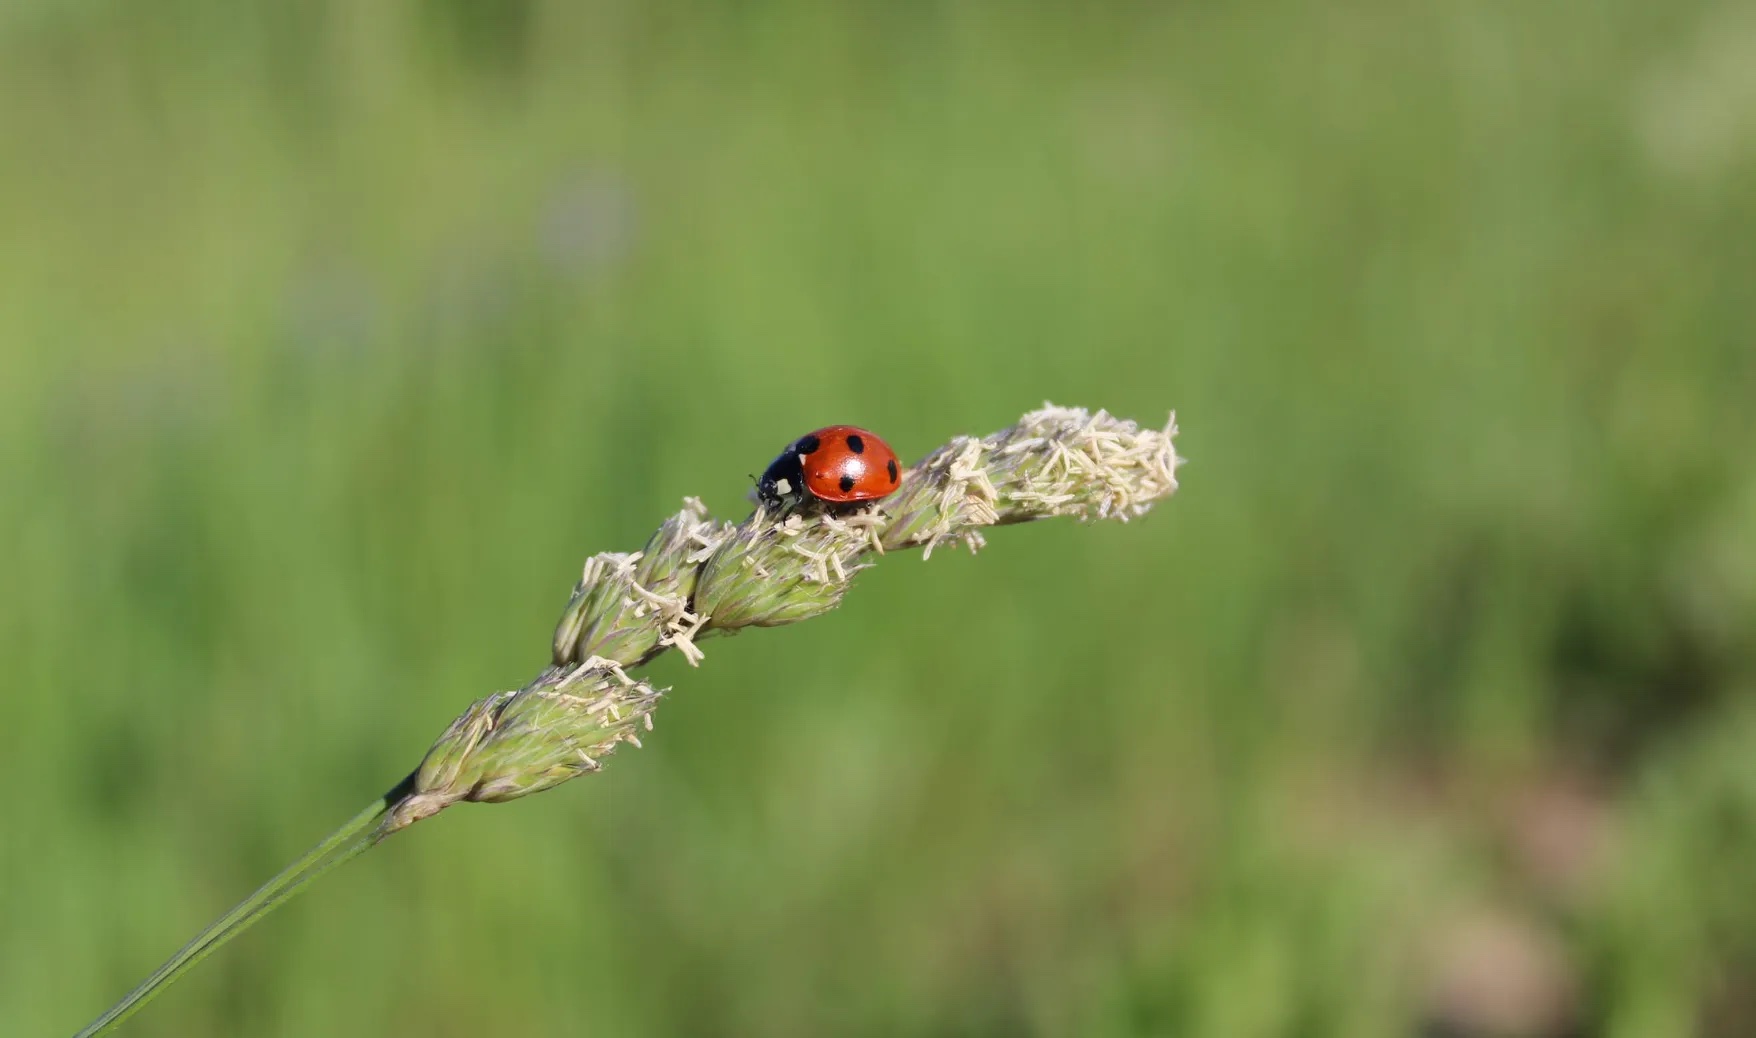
<point>782,484</point>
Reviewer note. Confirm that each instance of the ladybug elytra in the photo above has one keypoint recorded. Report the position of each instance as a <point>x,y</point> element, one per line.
<point>839,464</point>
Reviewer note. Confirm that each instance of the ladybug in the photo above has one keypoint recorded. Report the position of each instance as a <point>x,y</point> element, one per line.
<point>840,464</point>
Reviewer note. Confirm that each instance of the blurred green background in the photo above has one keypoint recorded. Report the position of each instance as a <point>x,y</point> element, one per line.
<point>334,336</point>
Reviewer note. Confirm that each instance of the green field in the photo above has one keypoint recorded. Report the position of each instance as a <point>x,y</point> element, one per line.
<point>335,336</point>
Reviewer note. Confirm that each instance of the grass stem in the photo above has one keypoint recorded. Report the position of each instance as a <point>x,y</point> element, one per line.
<point>358,834</point>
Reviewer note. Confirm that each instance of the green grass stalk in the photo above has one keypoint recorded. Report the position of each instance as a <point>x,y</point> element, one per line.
<point>355,837</point>
<point>698,577</point>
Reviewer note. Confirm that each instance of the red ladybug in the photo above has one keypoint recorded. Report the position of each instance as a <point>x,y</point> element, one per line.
<point>837,463</point>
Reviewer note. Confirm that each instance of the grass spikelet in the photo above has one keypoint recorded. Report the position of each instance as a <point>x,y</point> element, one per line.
<point>512,744</point>
<point>619,596</point>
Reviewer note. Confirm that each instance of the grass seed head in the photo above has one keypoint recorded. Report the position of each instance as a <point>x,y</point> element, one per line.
<point>512,744</point>
<point>627,608</point>
<point>1057,461</point>
<point>771,572</point>
<point>697,576</point>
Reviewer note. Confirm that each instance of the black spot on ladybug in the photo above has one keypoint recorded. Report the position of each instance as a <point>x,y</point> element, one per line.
<point>847,484</point>
<point>891,466</point>
<point>855,444</point>
<point>807,444</point>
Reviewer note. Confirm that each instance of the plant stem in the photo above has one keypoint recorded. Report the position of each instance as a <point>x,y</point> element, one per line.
<point>354,837</point>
